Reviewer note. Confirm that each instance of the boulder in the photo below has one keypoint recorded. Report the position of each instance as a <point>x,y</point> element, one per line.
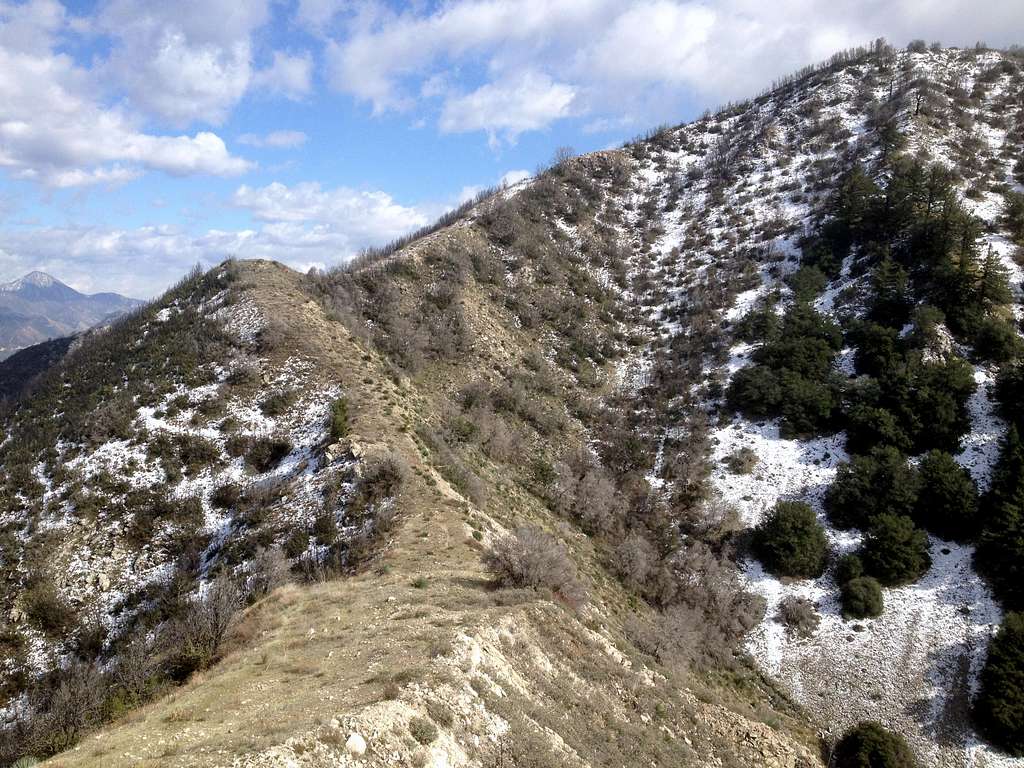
<point>356,745</point>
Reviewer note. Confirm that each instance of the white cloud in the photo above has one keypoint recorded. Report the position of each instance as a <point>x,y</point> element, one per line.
<point>644,59</point>
<point>54,128</point>
<point>290,76</point>
<point>508,108</point>
<point>300,226</point>
<point>364,217</point>
<point>512,178</point>
<point>186,61</point>
<point>315,15</point>
<point>275,139</point>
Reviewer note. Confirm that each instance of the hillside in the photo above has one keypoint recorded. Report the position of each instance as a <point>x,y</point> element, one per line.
<point>21,368</point>
<point>638,352</point>
<point>37,307</point>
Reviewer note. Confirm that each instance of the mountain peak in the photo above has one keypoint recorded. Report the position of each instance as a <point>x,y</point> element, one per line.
<point>35,279</point>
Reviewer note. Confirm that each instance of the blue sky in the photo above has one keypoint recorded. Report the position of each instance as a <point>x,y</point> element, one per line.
<point>139,137</point>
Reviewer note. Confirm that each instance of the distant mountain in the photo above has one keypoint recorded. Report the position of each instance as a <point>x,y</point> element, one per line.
<point>21,367</point>
<point>38,307</point>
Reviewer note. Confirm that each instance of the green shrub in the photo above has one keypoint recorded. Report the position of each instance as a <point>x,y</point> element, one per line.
<point>791,541</point>
<point>870,745</point>
<point>849,567</point>
<point>46,610</point>
<point>895,552</point>
<point>325,528</point>
<point>999,709</point>
<point>265,453</point>
<point>947,503</point>
<point>226,496</point>
<point>862,598</point>
<point>296,543</point>
<point>880,482</point>
<point>339,419</point>
<point>423,730</point>
<point>806,283</point>
<point>277,403</point>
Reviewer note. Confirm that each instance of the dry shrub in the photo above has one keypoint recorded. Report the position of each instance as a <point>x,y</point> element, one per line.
<point>192,641</point>
<point>742,462</point>
<point>799,615</point>
<point>532,558</point>
<point>268,570</point>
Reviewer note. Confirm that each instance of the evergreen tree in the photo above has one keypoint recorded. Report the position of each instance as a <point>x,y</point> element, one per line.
<point>1008,474</point>
<point>878,483</point>
<point>994,282</point>
<point>890,303</point>
<point>879,349</point>
<point>999,709</point>
<point>862,598</point>
<point>870,745</point>
<point>895,552</point>
<point>1000,553</point>
<point>947,504</point>
<point>1010,393</point>
<point>1013,213</point>
<point>791,541</point>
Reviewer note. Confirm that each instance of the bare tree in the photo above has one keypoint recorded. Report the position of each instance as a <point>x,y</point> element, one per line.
<point>532,558</point>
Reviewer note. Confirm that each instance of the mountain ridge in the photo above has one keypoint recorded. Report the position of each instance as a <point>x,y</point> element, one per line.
<point>555,359</point>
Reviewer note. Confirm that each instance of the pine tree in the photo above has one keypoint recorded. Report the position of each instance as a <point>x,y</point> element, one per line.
<point>1000,554</point>
<point>999,709</point>
<point>791,541</point>
<point>895,552</point>
<point>948,501</point>
<point>994,282</point>
<point>1013,213</point>
<point>1008,475</point>
<point>870,745</point>
<point>891,302</point>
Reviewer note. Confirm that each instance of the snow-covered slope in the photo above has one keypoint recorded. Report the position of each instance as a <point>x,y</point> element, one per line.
<point>480,352</point>
<point>751,178</point>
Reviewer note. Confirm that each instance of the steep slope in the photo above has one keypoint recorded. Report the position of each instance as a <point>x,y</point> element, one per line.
<point>38,307</point>
<point>18,370</point>
<point>237,426</point>
<point>756,178</point>
<point>557,354</point>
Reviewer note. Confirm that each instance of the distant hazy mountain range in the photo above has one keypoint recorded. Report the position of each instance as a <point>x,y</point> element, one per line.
<point>38,307</point>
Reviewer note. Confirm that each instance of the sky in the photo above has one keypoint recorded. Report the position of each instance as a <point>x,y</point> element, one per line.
<point>138,138</point>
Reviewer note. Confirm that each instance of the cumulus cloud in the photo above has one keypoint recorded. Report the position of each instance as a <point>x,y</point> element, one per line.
<point>607,59</point>
<point>512,178</point>
<point>51,133</point>
<point>508,108</point>
<point>366,217</point>
<point>289,76</point>
<point>55,129</point>
<point>186,61</point>
<point>275,139</point>
<point>301,225</point>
